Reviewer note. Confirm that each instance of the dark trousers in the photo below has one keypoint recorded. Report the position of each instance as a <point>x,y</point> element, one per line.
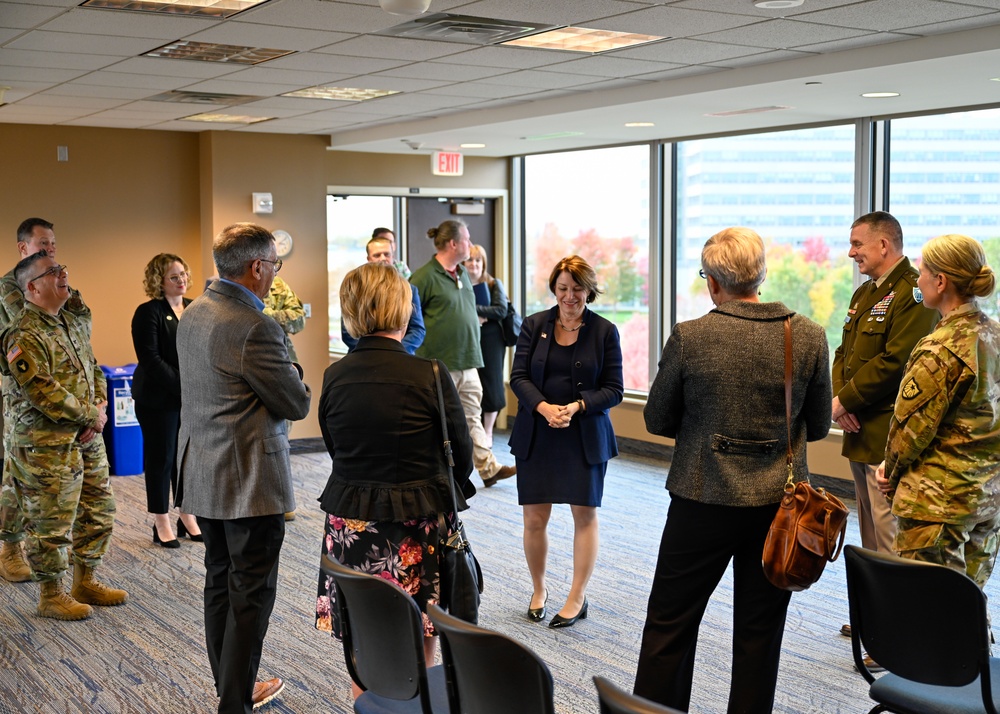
<point>698,542</point>
<point>159,454</point>
<point>241,577</point>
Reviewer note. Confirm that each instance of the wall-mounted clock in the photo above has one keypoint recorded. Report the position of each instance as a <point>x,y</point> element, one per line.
<point>282,242</point>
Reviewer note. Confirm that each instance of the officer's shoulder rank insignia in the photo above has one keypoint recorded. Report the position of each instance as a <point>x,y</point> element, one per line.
<point>910,389</point>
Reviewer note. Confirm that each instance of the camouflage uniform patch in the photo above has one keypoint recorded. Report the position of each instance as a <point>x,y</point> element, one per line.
<point>287,310</point>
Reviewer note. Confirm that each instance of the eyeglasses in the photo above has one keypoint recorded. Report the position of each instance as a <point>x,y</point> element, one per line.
<point>179,278</point>
<point>54,270</point>
<point>702,274</point>
<point>276,263</point>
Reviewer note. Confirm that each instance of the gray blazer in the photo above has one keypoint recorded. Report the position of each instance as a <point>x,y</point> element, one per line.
<point>238,388</point>
<point>720,392</point>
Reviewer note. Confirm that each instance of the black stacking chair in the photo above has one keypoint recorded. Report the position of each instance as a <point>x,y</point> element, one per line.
<point>927,625</point>
<point>489,673</point>
<point>615,701</point>
<point>384,645</point>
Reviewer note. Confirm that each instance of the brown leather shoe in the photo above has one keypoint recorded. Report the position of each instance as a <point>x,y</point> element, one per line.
<point>502,473</point>
<point>263,692</point>
<point>873,666</point>
<point>845,630</point>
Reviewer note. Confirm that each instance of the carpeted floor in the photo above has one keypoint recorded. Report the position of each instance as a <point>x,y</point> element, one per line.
<point>148,655</point>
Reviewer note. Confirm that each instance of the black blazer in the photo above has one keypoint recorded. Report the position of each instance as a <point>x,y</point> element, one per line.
<point>156,382</point>
<point>597,377</point>
<point>379,416</point>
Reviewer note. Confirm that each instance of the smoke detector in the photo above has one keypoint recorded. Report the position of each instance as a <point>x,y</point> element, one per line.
<point>405,7</point>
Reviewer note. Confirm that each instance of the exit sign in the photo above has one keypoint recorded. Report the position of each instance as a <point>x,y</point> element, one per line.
<point>446,163</point>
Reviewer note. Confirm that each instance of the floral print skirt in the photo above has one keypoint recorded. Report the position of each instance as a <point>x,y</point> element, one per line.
<point>403,553</point>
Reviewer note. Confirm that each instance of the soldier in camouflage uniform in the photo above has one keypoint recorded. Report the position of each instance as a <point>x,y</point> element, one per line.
<point>56,406</point>
<point>942,467</point>
<point>401,267</point>
<point>286,309</point>
<point>33,235</point>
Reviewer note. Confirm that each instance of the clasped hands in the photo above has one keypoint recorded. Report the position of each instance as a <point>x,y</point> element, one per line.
<point>89,432</point>
<point>558,416</point>
<point>845,419</point>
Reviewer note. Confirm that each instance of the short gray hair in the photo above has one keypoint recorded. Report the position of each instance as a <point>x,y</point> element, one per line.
<point>735,258</point>
<point>239,245</point>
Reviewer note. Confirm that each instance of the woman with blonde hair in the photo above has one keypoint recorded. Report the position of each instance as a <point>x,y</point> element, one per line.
<point>941,469</point>
<point>156,389</point>
<point>491,305</point>
<point>389,482</point>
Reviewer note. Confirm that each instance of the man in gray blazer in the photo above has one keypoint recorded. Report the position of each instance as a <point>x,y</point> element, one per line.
<point>238,387</point>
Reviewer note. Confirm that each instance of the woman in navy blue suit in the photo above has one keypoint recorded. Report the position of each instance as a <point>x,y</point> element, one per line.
<point>567,375</point>
<point>156,388</point>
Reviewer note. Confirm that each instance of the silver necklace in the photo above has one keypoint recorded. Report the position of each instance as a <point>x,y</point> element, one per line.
<point>568,329</point>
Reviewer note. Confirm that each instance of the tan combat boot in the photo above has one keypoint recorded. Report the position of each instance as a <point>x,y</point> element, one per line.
<point>90,590</point>
<point>13,566</point>
<point>55,603</point>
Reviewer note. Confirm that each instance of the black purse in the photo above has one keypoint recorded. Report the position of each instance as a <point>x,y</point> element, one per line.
<point>461,576</point>
<point>511,325</point>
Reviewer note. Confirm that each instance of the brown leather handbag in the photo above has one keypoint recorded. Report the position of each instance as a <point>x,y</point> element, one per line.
<point>804,535</point>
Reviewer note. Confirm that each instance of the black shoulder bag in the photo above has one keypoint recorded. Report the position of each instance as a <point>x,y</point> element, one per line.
<point>461,576</point>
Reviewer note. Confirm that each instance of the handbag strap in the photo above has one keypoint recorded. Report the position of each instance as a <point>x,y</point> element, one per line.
<point>788,397</point>
<point>448,458</point>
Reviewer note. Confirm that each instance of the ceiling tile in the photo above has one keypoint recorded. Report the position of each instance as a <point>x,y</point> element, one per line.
<point>443,72</point>
<point>683,51</point>
<point>474,89</point>
<point>176,67</point>
<point>419,102</point>
<point>608,66</point>
<point>939,28</point>
<point>102,21</point>
<point>512,57</point>
<point>541,80</point>
<point>72,89</point>
<point>554,12</point>
<point>152,83</point>
<point>8,35</point>
<point>84,44</point>
<point>889,15</point>
<point>37,74</point>
<point>266,75</point>
<point>227,86</point>
<point>55,60</point>
<point>781,34</point>
<point>748,8</point>
<point>852,43</point>
<point>299,104</point>
<point>317,15</point>
<point>678,73</point>
<point>399,48</point>
<point>358,65</point>
<point>676,22</point>
<point>90,104</point>
<point>399,84</point>
<point>762,58</point>
<point>25,16</point>
<point>251,34</point>
<point>99,121</point>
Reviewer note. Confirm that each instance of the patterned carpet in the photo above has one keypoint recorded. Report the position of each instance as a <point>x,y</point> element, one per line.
<point>148,655</point>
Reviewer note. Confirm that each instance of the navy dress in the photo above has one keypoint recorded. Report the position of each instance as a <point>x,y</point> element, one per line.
<point>493,347</point>
<point>573,481</point>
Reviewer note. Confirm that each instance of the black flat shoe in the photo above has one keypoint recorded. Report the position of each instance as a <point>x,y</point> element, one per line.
<point>560,621</point>
<point>537,614</point>
<point>183,531</point>
<point>165,543</point>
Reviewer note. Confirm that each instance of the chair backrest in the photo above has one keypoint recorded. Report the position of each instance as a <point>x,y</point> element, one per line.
<point>923,622</point>
<point>615,701</point>
<point>490,673</point>
<point>383,634</point>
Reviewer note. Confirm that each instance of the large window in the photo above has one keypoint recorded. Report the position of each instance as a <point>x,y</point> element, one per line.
<point>350,220</point>
<point>594,204</point>
<point>796,189</point>
<point>944,177</point>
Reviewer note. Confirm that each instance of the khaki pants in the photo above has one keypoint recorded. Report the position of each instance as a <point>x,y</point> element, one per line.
<point>470,393</point>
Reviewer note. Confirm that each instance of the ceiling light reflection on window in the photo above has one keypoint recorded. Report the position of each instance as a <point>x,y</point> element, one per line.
<point>582,39</point>
<point>350,94</point>
<point>200,8</point>
<point>226,118</point>
<point>212,52</point>
<point>636,124</point>
<point>879,95</point>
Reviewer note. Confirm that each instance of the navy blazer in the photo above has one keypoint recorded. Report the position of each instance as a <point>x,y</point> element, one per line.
<point>156,382</point>
<point>597,378</point>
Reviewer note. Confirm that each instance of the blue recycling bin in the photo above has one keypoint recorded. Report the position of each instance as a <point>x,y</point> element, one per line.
<point>122,434</point>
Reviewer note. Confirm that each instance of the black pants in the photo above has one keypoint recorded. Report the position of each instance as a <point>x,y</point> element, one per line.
<point>241,577</point>
<point>698,542</point>
<point>159,454</point>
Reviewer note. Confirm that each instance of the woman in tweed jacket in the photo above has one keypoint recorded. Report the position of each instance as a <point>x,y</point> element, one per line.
<point>720,394</point>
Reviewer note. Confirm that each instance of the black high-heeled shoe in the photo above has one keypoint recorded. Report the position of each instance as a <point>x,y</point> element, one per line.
<point>165,543</point>
<point>183,531</point>
<point>560,621</point>
<point>537,614</point>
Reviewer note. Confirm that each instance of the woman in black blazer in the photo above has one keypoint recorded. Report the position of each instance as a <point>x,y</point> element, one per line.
<point>156,388</point>
<point>567,375</point>
<point>389,493</point>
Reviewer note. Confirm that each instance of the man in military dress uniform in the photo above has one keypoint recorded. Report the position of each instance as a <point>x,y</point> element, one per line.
<point>883,323</point>
<point>57,401</point>
<point>33,235</point>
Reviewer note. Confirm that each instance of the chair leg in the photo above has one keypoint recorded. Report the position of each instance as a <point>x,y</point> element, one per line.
<point>879,708</point>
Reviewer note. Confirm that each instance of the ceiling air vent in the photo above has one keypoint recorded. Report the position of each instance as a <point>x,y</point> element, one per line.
<point>444,27</point>
<point>203,98</point>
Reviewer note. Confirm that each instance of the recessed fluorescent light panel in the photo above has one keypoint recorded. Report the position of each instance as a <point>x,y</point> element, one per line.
<point>879,95</point>
<point>751,110</point>
<point>212,52</point>
<point>582,39</point>
<point>554,135</point>
<point>347,94</point>
<point>472,146</point>
<point>200,8</point>
<point>226,118</point>
<point>636,124</point>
